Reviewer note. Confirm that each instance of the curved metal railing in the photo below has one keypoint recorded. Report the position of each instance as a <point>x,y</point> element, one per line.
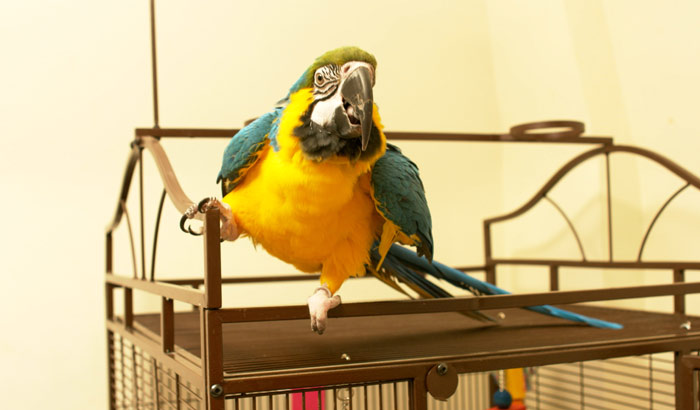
<point>687,176</point>
<point>171,184</point>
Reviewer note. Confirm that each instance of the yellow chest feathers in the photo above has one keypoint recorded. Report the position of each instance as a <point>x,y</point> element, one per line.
<point>300,211</point>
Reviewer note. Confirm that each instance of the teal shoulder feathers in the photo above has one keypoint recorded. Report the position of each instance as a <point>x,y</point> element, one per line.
<point>245,147</point>
<point>400,197</point>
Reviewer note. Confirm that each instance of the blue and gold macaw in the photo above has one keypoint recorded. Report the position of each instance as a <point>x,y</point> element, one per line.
<point>316,184</point>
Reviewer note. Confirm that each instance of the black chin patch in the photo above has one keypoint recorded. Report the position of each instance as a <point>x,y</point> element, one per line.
<point>338,138</point>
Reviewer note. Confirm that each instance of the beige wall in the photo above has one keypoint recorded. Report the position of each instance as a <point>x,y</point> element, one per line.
<point>626,69</point>
<point>75,81</point>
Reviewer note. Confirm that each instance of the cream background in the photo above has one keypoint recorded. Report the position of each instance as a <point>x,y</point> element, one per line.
<point>75,81</point>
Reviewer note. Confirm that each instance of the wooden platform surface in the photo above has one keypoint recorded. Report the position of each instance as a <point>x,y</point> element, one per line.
<point>286,345</point>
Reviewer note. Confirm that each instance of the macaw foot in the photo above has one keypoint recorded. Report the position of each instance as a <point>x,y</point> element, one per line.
<point>319,305</point>
<point>229,230</point>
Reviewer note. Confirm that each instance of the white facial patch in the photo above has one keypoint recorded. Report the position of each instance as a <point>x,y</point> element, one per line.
<point>323,110</point>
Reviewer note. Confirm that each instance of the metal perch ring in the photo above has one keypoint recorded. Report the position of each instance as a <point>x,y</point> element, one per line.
<point>575,129</point>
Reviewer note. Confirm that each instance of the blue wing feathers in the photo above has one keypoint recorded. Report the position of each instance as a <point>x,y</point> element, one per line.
<point>400,197</point>
<point>243,149</point>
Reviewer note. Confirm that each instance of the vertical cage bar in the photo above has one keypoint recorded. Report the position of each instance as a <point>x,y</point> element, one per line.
<point>490,268</point>
<point>651,381</point>
<point>351,397</point>
<point>203,354</point>
<point>553,277</point>
<point>469,389</point>
<point>479,393</point>
<point>177,392</point>
<point>418,394</point>
<point>493,386</point>
<point>154,65</point>
<point>609,205</point>
<point>490,274</point>
<point>167,325</point>
<point>109,301</point>
<point>679,300</point>
<point>128,308</point>
<point>123,381</point>
<point>141,216</point>
<point>156,394</point>
<point>212,360</point>
<point>396,396</point>
<point>684,381</point>
<point>212,260</point>
<point>537,394</point>
<point>695,390</point>
<point>196,287</point>
<point>580,379</point>
<point>111,365</point>
<point>108,253</point>
<point>134,376</point>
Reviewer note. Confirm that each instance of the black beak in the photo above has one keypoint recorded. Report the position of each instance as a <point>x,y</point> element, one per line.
<point>357,90</point>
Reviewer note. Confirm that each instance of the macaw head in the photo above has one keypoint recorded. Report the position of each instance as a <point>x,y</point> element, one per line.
<point>338,114</point>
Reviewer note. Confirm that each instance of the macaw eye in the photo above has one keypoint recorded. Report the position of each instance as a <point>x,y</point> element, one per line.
<point>319,79</point>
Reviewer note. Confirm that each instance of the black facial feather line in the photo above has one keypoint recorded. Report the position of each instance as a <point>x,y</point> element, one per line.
<point>320,143</point>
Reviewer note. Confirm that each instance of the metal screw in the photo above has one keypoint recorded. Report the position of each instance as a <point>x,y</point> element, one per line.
<point>216,390</point>
<point>345,357</point>
<point>686,325</point>
<point>501,315</point>
<point>442,369</point>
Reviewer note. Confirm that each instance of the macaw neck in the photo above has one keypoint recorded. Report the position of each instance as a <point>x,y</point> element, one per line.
<point>304,140</point>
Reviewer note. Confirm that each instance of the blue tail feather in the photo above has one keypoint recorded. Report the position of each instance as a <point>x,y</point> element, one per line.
<point>408,275</point>
<point>414,277</point>
<point>478,287</point>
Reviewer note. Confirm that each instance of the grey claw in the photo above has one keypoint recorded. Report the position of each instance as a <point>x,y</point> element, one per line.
<point>229,230</point>
<point>189,214</point>
<point>200,205</point>
<point>182,223</point>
